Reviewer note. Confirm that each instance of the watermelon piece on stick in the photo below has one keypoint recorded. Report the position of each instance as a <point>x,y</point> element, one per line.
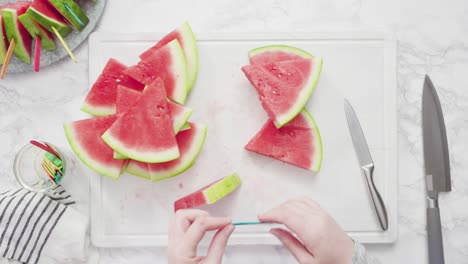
<point>14,29</point>
<point>145,132</point>
<point>3,39</point>
<point>84,137</point>
<point>38,31</point>
<point>297,143</point>
<point>167,63</point>
<point>209,194</point>
<point>72,12</point>
<point>186,38</point>
<point>46,16</point>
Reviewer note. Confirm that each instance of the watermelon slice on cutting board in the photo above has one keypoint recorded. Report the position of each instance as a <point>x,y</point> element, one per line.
<point>145,132</point>
<point>186,38</point>
<point>127,97</point>
<point>190,143</point>
<point>276,53</point>
<point>167,63</point>
<point>102,96</point>
<point>209,194</point>
<point>297,143</point>
<point>284,87</point>
<point>84,137</point>
<point>14,29</point>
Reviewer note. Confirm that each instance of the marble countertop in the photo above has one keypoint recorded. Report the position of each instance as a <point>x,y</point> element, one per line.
<point>432,38</point>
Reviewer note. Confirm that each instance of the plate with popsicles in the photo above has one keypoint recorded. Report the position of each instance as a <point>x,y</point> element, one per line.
<point>37,33</point>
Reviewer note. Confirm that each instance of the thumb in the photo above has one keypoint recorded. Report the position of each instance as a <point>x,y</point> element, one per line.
<point>218,245</point>
<point>296,248</point>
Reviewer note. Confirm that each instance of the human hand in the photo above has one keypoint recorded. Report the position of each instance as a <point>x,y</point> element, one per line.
<point>188,229</point>
<point>320,240</point>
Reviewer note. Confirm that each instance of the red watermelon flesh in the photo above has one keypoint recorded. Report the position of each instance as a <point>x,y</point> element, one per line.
<point>167,63</point>
<point>126,98</point>
<point>145,132</point>
<point>284,87</point>
<point>190,143</point>
<point>297,143</point>
<point>188,42</point>
<point>102,96</point>
<point>14,29</point>
<point>84,137</point>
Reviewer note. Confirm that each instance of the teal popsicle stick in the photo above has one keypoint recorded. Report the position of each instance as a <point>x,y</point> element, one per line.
<point>248,223</point>
<point>74,15</point>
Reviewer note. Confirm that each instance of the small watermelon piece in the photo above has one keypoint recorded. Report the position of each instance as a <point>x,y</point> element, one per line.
<point>84,137</point>
<point>78,18</point>
<point>167,63</point>
<point>276,53</point>
<point>38,31</point>
<point>102,96</point>
<point>47,17</point>
<point>284,87</point>
<point>145,132</point>
<point>186,38</point>
<point>297,143</point>
<point>14,29</point>
<point>3,39</point>
<point>138,168</point>
<point>126,98</point>
<point>190,143</point>
<point>209,194</point>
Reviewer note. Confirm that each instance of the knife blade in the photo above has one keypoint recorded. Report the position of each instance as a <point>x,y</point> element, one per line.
<point>437,167</point>
<point>365,162</point>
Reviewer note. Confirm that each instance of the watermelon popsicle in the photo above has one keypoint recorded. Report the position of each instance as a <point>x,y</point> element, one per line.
<point>72,12</point>
<point>3,39</point>
<point>47,17</point>
<point>14,29</point>
<point>38,31</point>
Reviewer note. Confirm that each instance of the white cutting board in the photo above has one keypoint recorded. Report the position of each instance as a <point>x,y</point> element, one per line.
<point>357,65</point>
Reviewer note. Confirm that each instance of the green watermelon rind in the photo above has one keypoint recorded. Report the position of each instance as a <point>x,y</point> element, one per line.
<point>76,9</point>
<point>137,171</point>
<point>3,45</point>
<point>317,157</point>
<point>179,68</point>
<point>11,25</point>
<point>222,188</point>
<point>97,110</point>
<point>195,149</point>
<point>186,126</point>
<point>87,160</point>
<point>34,30</point>
<point>285,48</point>
<point>155,157</point>
<point>48,23</point>
<point>191,54</point>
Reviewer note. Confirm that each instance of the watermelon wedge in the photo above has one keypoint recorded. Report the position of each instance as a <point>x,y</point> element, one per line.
<point>297,143</point>
<point>38,31</point>
<point>276,53</point>
<point>3,39</point>
<point>186,38</point>
<point>84,137</point>
<point>72,12</point>
<point>167,63</point>
<point>126,98</point>
<point>209,194</point>
<point>138,168</point>
<point>190,143</point>
<point>46,15</point>
<point>284,87</point>
<point>102,96</point>
<point>14,29</point>
<point>145,132</point>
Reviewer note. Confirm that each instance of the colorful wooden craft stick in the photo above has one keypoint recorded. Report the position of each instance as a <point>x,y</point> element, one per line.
<point>37,54</point>
<point>7,59</point>
<point>65,45</point>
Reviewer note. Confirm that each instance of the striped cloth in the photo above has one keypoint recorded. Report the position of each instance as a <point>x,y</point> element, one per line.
<point>27,220</point>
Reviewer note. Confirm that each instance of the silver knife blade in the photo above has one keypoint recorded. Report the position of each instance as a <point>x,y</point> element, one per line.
<point>359,140</point>
<point>436,155</point>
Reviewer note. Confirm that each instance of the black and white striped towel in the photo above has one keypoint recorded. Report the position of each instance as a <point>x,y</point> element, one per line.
<point>29,221</point>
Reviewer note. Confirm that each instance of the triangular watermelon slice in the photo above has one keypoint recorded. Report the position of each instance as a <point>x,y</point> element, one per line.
<point>145,132</point>
<point>101,98</point>
<point>186,38</point>
<point>276,53</point>
<point>297,143</point>
<point>126,98</point>
<point>284,87</point>
<point>3,39</point>
<point>190,143</point>
<point>14,29</point>
<point>84,137</point>
<point>167,63</point>
<point>209,194</point>
<point>38,31</point>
